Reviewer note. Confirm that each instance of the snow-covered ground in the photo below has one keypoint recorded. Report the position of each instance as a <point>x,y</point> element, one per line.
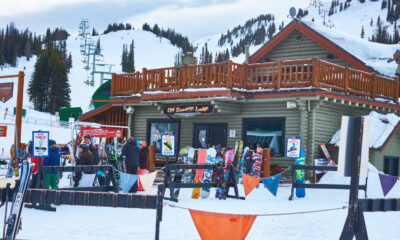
<point>76,222</point>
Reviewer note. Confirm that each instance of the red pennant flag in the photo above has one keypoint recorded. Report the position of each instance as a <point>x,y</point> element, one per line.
<point>249,183</point>
<point>216,226</point>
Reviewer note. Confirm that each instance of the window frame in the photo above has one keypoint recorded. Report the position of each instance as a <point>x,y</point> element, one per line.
<point>163,120</point>
<point>245,122</point>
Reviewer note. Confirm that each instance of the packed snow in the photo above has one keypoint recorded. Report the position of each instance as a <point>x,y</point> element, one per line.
<point>382,127</point>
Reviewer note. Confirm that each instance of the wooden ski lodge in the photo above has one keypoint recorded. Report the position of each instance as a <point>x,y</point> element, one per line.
<point>299,84</point>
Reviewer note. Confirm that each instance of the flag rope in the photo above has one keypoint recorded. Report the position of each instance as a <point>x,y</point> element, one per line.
<point>270,214</point>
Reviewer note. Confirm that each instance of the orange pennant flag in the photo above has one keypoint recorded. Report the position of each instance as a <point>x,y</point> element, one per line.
<point>249,183</point>
<point>218,226</point>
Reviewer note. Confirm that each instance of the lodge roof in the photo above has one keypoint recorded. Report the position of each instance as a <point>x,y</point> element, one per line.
<point>358,53</point>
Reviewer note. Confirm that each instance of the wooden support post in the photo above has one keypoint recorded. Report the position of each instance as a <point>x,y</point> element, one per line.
<point>396,94</point>
<point>316,64</point>
<point>373,91</point>
<point>113,84</point>
<point>184,77</point>
<point>137,82</point>
<point>266,163</point>
<point>346,79</point>
<point>144,80</point>
<point>229,77</point>
<point>278,81</point>
<point>151,159</point>
<point>18,114</point>
<point>245,77</point>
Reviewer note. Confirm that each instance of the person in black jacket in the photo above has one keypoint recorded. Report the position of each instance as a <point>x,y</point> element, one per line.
<point>88,141</point>
<point>131,152</point>
<point>86,157</point>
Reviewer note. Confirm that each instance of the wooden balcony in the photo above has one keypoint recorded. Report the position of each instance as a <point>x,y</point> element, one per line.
<point>300,73</point>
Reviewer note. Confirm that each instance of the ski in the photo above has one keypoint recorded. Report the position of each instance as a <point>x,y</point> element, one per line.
<point>13,221</point>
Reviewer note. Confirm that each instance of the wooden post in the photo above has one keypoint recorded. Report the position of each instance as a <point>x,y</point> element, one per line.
<point>137,82</point>
<point>18,114</point>
<point>278,82</point>
<point>373,79</point>
<point>229,80</point>
<point>144,80</point>
<point>316,64</point>
<point>396,94</point>
<point>151,159</point>
<point>113,83</point>
<point>266,163</point>
<point>346,79</point>
<point>245,69</point>
<point>184,77</point>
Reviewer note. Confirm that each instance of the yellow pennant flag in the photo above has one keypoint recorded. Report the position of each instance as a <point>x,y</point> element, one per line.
<point>147,181</point>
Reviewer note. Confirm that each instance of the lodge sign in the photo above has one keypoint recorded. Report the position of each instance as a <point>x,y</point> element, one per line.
<point>199,109</point>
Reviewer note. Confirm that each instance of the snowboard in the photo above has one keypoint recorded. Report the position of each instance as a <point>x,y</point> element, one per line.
<point>188,172</point>
<point>300,174</point>
<point>257,158</point>
<point>242,163</point>
<point>13,221</point>
<point>182,159</point>
<point>238,155</point>
<point>205,191</point>
<point>201,159</point>
<point>219,163</point>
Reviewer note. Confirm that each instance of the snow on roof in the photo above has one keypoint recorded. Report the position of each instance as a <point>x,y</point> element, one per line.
<point>381,128</point>
<point>374,55</point>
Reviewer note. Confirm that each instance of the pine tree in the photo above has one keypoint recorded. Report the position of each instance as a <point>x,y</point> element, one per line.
<point>396,36</point>
<point>130,65</point>
<point>124,59</point>
<point>362,32</point>
<point>98,47</point>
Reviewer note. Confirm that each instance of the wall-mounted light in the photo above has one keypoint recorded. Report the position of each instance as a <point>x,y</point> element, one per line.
<point>298,39</point>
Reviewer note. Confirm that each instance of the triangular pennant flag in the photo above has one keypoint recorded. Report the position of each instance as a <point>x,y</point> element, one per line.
<point>249,183</point>
<point>147,181</point>
<point>272,183</point>
<point>127,181</point>
<point>387,183</point>
<point>215,226</point>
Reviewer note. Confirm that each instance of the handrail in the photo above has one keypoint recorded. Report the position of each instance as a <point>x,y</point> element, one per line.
<point>310,72</point>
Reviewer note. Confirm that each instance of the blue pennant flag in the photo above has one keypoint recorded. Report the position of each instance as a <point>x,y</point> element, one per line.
<point>127,181</point>
<point>272,183</point>
<point>387,183</point>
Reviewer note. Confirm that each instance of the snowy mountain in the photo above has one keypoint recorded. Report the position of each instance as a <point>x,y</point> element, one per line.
<point>347,22</point>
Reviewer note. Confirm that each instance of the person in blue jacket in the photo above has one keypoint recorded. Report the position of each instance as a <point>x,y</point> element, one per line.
<point>53,160</point>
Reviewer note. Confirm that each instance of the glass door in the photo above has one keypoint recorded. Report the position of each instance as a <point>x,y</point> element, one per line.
<point>206,135</point>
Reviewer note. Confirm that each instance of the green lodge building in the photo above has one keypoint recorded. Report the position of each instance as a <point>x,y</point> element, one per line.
<point>300,83</point>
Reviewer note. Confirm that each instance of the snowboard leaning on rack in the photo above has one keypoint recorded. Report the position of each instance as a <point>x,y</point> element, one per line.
<point>201,159</point>
<point>211,153</point>
<point>182,159</point>
<point>13,221</point>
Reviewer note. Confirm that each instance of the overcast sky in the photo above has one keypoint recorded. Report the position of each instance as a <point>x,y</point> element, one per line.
<point>193,18</point>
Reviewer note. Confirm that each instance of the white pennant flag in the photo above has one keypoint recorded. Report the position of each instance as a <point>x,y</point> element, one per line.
<point>147,181</point>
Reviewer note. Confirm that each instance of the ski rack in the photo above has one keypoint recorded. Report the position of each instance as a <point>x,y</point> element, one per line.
<point>41,183</point>
<point>320,186</point>
<point>169,183</point>
<point>97,199</point>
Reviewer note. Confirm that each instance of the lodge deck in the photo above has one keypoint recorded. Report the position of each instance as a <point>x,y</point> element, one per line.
<point>303,73</point>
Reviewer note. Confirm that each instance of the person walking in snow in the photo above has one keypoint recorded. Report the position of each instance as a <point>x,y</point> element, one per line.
<point>131,151</point>
<point>53,159</point>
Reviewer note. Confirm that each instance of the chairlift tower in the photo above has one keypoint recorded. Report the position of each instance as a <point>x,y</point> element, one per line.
<point>84,33</point>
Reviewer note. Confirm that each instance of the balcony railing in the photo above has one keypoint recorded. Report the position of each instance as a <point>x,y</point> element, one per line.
<point>271,75</point>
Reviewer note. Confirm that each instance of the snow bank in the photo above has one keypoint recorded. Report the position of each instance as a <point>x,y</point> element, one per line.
<point>381,128</point>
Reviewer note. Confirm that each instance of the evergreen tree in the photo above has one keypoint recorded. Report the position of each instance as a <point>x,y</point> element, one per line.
<point>124,59</point>
<point>362,32</point>
<point>130,65</point>
<point>98,47</point>
<point>384,4</point>
<point>396,36</point>
<point>94,32</point>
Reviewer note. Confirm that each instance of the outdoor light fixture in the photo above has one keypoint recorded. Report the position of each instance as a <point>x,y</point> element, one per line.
<point>298,39</point>
<point>130,110</point>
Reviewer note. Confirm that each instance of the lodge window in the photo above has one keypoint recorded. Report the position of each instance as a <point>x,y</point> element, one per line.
<point>265,133</point>
<point>157,127</point>
<point>391,165</point>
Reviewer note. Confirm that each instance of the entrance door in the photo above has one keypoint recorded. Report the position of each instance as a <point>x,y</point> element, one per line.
<point>391,165</point>
<point>206,135</point>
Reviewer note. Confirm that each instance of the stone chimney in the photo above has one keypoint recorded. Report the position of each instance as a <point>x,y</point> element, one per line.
<point>189,59</point>
<point>247,52</point>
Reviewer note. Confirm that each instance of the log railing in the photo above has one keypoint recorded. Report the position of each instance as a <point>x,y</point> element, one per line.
<point>271,75</point>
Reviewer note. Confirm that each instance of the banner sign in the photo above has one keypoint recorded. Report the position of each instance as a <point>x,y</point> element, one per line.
<point>6,91</point>
<point>200,109</point>
<point>40,142</point>
<point>102,132</point>
<point>3,131</point>
<point>167,145</point>
<point>293,146</point>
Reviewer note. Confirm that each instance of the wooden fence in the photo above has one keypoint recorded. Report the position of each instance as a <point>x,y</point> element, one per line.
<point>311,72</point>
